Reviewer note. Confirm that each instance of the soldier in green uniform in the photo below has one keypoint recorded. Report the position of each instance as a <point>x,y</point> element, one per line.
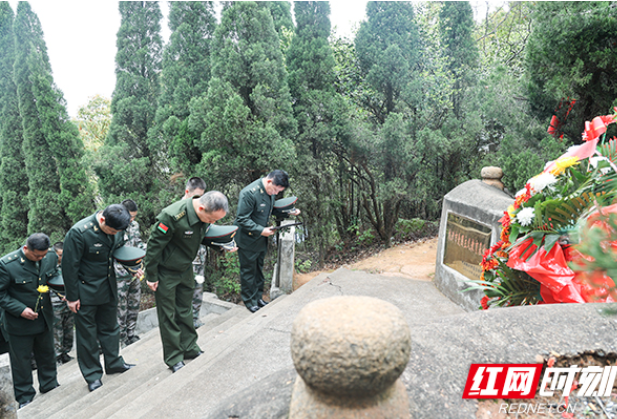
<point>28,316</point>
<point>173,244</point>
<point>92,292</point>
<point>129,287</point>
<point>254,211</point>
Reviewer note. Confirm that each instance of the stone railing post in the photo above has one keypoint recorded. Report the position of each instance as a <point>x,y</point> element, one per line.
<point>282,280</point>
<point>349,353</point>
<point>492,176</point>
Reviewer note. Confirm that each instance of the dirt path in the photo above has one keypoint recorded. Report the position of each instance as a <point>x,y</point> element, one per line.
<point>414,260</point>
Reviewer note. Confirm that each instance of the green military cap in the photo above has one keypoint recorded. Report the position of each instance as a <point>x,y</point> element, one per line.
<point>56,282</point>
<point>130,257</point>
<point>222,236</point>
<point>285,204</point>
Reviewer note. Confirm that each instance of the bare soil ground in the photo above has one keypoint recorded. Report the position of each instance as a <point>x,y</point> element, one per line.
<point>410,260</point>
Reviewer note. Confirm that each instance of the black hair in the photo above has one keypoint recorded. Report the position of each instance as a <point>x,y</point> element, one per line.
<point>117,217</point>
<point>38,241</point>
<point>195,183</point>
<point>279,178</point>
<point>214,201</point>
<point>130,205</point>
<point>58,246</point>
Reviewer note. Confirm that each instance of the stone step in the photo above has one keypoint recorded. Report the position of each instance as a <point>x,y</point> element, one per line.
<point>192,393</point>
<point>60,402</point>
<point>131,403</point>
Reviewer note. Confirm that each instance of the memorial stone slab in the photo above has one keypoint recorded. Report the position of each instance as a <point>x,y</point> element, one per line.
<point>469,225</point>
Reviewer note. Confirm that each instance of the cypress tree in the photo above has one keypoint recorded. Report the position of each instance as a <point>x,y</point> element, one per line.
<point>246,116</point>
<point>388,52</point>
<point>456,27</point>
<point>185,75</point>
<point>46,212</point>
<point>320,112</point>
<point>13,177</point>
<point>128,166</point>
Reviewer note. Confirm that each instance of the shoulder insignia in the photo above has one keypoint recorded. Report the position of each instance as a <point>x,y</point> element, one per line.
<point>95,228</point>
<point>178,216</point>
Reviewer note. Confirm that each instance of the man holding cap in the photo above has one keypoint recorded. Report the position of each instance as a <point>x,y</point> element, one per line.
<point>173,244</point>
<point>92,292</point>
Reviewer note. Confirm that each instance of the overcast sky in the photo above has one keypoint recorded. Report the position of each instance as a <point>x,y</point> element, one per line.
<point>81,42</point>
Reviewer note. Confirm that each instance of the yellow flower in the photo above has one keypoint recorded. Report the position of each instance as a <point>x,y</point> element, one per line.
<point>43,289</point>
<point>511,211</point>
<point>562,163</point>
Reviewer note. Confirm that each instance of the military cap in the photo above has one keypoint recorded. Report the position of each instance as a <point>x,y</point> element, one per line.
<point>130,257</point>
<point>222,236</point>
<point>285,204</point>
<point>56,282</point>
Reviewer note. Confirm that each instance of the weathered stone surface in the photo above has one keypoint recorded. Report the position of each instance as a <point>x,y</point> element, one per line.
<point>307,403</point>
<point>8,405</point>
<point>350,346</point>
<point>478,202</point>
<point>491,172</point>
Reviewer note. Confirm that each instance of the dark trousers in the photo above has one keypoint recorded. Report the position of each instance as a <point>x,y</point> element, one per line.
<point>20,348</point>
<point>174,297</point>
<point>94,324</point>
<point>251,276</point>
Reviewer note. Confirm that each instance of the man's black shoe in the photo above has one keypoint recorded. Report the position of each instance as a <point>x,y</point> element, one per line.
<point>131,340</point>
<point>177,366</point>
<point>123,368</point>
<point>193,356</point>
<point>94,385</point>
<point>65,358</point>
<point>47,391</point>
<point>253,309</point>
<point>262,303</point>
<point>24,404</point>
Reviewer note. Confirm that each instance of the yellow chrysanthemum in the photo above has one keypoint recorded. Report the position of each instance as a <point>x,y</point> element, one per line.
<point>562,163</point>
<point>511,211</point>
<point>43,289</point>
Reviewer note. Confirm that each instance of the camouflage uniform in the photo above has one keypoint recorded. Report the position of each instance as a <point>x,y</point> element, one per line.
<point>64,323</point>
<point>198,294</point>
<point>129,290</point>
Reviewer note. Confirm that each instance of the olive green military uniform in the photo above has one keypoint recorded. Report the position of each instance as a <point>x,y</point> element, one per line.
<point>254,211</point>
<point>172,247</point>
<point>19,280</point>
<point>88,272</point>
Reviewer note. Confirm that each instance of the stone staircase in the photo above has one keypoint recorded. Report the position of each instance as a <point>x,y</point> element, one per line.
<point>240,351</point>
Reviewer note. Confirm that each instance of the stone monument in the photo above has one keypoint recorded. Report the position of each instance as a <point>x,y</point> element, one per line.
<point>469,225</point>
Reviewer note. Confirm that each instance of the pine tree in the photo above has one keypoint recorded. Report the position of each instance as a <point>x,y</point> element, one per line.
<point>13,177</point>
<point>246,116</point>
<point>59,193</point>
<point>321,115</point>
<point>185,75</point>
<point>128,165</point>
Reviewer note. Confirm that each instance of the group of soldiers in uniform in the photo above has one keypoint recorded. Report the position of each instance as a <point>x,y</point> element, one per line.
<point>103,297</point>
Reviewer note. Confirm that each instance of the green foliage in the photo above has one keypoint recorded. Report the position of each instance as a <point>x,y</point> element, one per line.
<point>571,53</point>
<point>245,118</point>
<point>59,193</point>
<point>13,177</point>
<point>128,166</point>
<point>223,274</point>
<point>185,75</point>
<point>303,266</point>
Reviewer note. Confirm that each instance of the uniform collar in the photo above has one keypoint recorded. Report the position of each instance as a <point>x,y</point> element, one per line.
<point>27,263</point>
<point>190,211</point>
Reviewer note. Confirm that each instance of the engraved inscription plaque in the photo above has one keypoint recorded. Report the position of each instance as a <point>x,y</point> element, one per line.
<point>466,241</point>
